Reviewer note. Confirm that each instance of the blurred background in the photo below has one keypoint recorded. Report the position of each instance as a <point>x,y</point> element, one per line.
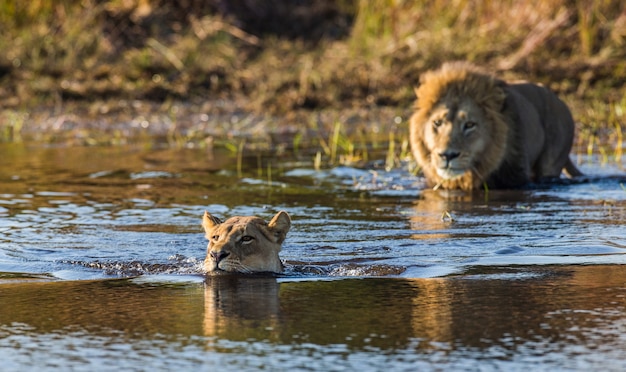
<point>288,58</point>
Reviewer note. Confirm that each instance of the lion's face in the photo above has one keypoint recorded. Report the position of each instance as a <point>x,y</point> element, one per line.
<point>456,134</point>
<point>245,244</point>
<point>459,133</point>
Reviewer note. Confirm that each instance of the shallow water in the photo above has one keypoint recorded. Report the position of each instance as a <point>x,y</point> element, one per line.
<point>100,254</point>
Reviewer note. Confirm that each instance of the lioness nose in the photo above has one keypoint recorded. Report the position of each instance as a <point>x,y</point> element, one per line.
<point>217,256</point>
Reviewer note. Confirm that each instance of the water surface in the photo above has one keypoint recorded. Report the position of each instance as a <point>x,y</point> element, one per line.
<point>100,254</point>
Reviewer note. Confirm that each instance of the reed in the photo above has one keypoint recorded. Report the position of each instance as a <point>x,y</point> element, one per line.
<point>11,124</point>
<point>334,142</point>
<point>619,142</point>
<point>240,148</point>
<point>390,159</point>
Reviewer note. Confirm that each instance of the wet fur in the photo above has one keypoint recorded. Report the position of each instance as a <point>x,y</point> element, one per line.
<point>245,244</point>
<point>517,117</point>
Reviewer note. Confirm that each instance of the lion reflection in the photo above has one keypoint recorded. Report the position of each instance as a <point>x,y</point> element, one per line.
<point>435,210</point>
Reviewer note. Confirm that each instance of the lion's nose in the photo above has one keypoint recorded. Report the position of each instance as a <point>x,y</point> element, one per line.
<point>217,256</point>
<point>448,156</point>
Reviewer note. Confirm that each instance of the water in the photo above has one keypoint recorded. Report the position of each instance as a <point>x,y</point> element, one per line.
<point>101,248</point>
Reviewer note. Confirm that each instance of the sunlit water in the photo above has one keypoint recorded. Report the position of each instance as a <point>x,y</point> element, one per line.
<point>101,248</point>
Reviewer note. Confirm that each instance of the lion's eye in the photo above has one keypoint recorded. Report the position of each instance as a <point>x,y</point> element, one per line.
<point>247,238</point>
<point>469,125</point>
<point>437,123</point>
<point>215,237</point>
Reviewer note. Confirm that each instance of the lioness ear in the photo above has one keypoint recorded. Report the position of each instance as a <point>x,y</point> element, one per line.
<point>209,221</point>
<point>279,225</point>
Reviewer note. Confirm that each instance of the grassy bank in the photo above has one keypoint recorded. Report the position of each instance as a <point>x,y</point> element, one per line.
<point>297,67</point>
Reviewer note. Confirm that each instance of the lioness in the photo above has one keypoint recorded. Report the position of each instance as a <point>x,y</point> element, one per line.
<point>245,244</point>
<point>471,130</point>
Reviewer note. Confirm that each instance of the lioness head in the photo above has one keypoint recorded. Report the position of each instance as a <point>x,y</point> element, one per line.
<point>245,244</point>
<point>458,132</point>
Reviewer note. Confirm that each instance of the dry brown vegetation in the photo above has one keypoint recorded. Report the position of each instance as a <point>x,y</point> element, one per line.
<point>282,61</point>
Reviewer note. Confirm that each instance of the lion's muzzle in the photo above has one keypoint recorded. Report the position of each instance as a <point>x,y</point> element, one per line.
<point>446,157</point>
<point>447,165</point>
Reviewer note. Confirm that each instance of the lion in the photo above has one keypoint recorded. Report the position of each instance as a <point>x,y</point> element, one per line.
<point>245,244</point>
<point>471,130</point>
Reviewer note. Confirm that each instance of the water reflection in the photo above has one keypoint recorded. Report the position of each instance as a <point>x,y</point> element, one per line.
<point>238,307</point>
<point>100,307</point>
<point>564,317</point>
<point>469,311</point>
<point>434,211</point>
<point>561,317</point>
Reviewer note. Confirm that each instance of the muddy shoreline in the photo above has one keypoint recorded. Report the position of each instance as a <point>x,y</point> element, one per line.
<point>192,123</point>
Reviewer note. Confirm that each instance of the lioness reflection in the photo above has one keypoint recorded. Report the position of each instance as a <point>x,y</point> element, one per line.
<point>241,307</point>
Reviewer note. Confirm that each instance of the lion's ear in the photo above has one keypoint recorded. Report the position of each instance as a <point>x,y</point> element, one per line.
<point>209,221</point>
<point>500,94</point>
<point>279,226</point>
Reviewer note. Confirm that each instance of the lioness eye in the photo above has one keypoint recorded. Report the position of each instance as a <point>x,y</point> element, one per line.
<point>247,238</point>
<point>437,123</point>
<point>215,237</point>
